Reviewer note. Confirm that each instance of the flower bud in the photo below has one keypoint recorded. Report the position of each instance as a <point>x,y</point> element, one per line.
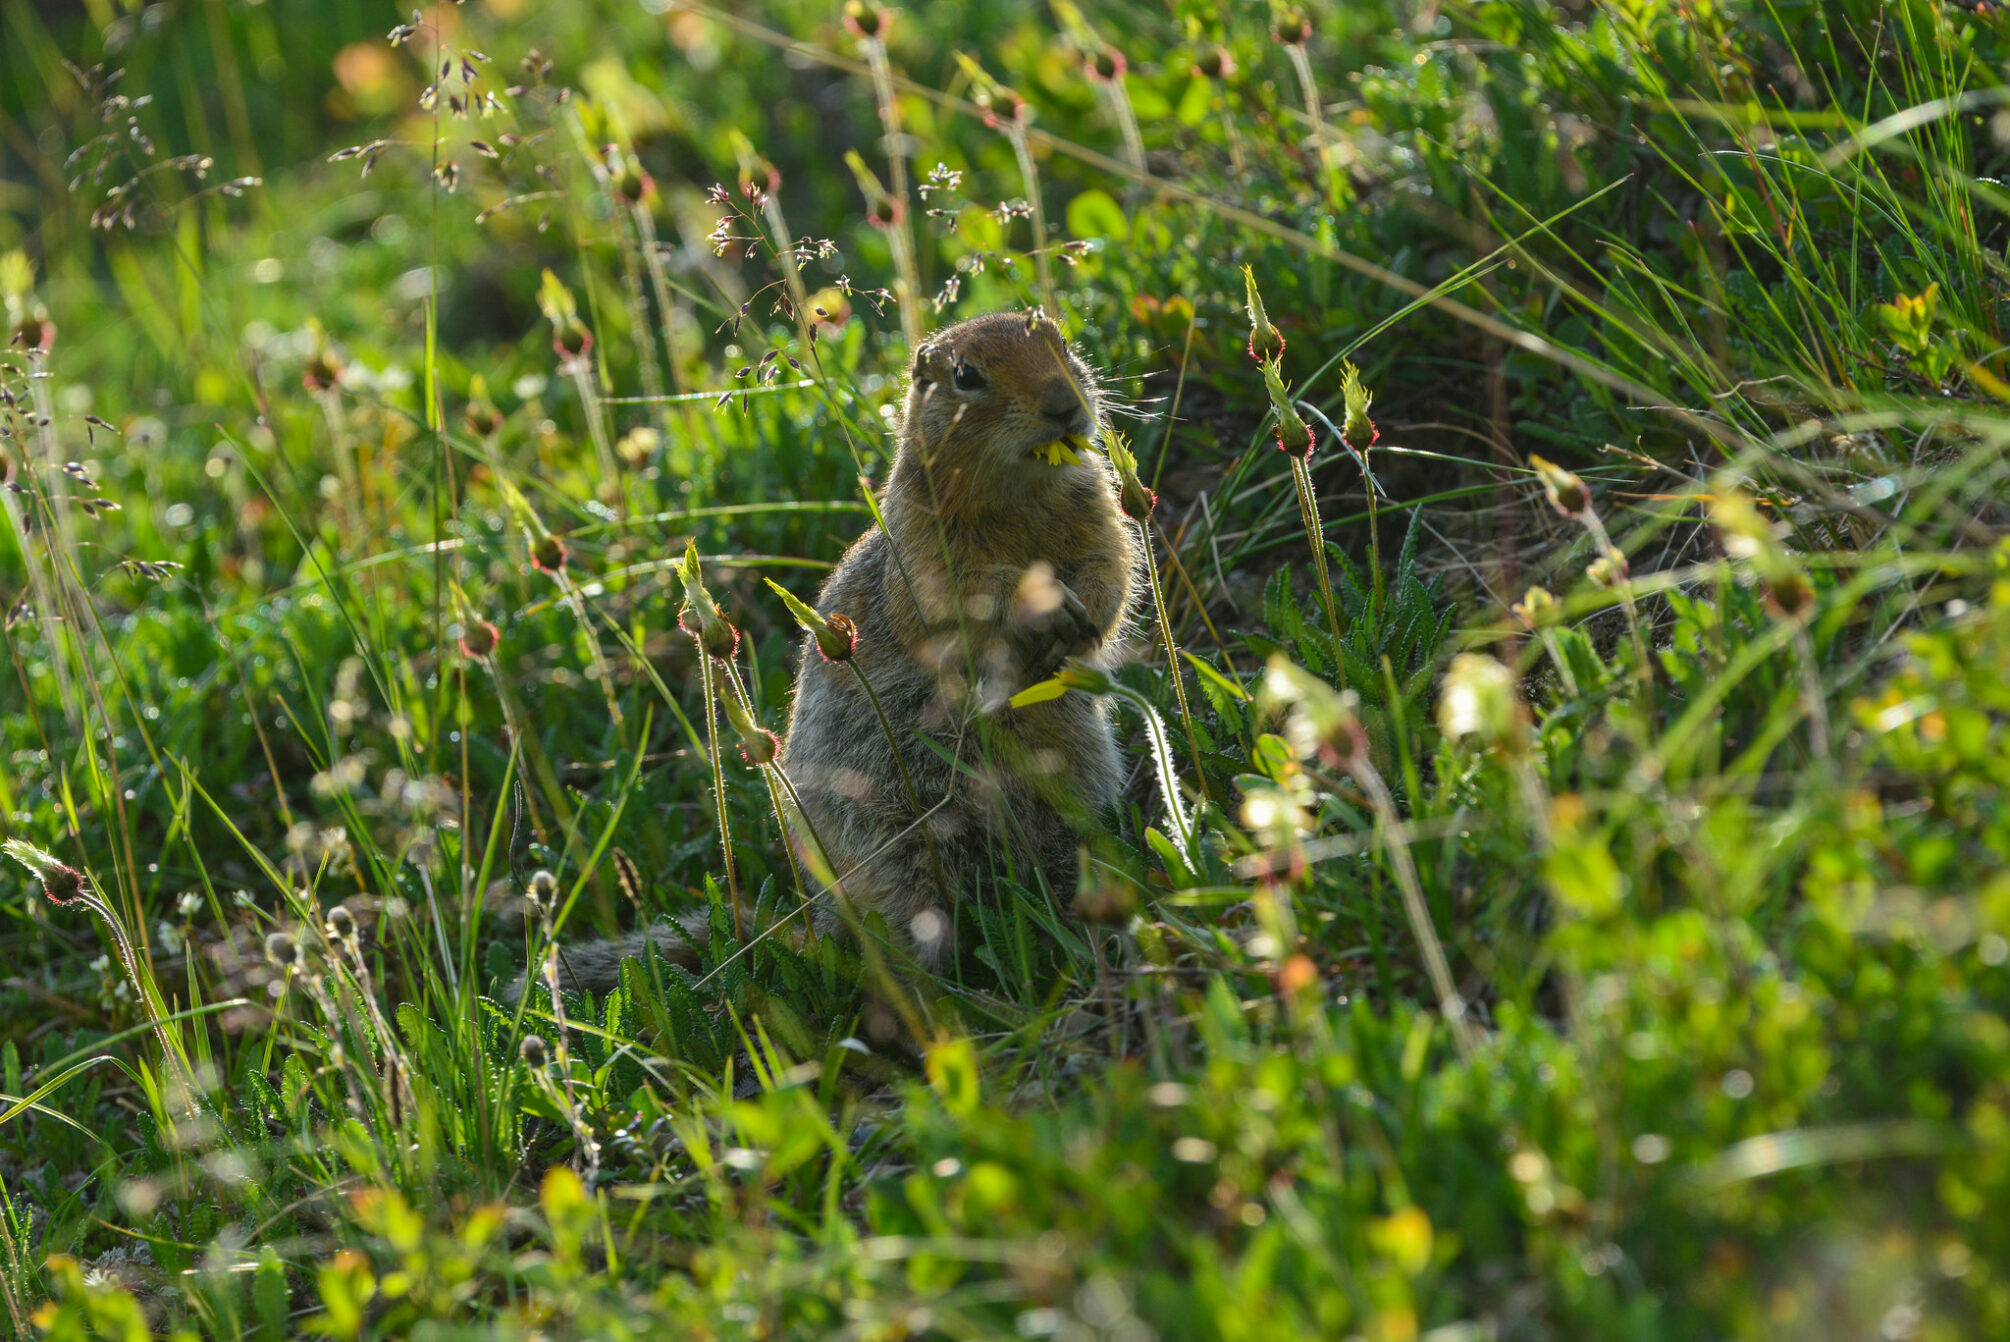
<point>547,554</point>
<point>837,640</point>
<point>1567,493</point>
<point>571,341</point>
<point>883,213</point>
<point>60,883</point>
<point>1003,107</point>
<point>1214,63</point>
<point>1266,343</point>
<point>699,615</point>
<point>1357,429</point>
<point>634,186</point>
<point>712,632</point>
<point>1105,66</point>
<point>531,1048</point>
<point>321,372</point>
<point>1136,498</point>
<point>482,418</point>
<point>1538,609</point>
<point>340,925</point>
<point>478,639</point>
<point>1789,591</point>
<point>868,21</point>
<point>542,890</point>
<point>35,334</point>
<point>1293,28</point>
<point>1609,570</point>
<point>758,745</point>
<point>835,635</point>
<point>1294,436</point>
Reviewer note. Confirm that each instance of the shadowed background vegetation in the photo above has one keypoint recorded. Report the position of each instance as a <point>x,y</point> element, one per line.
<point>1562,890</point>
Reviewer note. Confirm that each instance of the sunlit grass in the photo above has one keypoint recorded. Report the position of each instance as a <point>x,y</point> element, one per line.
<point>1584,918</point>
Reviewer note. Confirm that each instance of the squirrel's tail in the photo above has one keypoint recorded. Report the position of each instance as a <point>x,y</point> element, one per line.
<point>595,966</point>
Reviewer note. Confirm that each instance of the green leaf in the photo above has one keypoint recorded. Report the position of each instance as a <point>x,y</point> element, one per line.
<point>1177,870</point>
<point>1096,214</point>
<point>1193,103</point>
<point>1218,680</point>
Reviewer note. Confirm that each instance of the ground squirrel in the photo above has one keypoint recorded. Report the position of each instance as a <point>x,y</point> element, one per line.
<point>1003,553</point>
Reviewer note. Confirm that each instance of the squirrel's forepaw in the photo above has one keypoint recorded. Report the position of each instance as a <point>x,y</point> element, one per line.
<point>1050,623</point>
<point>1054,636</point>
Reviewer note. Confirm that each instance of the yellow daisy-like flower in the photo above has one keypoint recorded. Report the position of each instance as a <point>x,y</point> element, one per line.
<point>1062,451</point>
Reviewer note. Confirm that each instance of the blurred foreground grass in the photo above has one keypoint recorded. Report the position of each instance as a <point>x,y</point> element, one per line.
<point>1604,935</point>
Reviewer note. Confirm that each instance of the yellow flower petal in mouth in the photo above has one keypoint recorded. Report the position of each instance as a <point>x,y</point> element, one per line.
<point>1062,451</point>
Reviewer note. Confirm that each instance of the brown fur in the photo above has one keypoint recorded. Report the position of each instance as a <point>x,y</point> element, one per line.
<point>992,568</point>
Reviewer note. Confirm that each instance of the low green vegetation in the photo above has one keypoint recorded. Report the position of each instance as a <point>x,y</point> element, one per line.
<point>1578,900</point>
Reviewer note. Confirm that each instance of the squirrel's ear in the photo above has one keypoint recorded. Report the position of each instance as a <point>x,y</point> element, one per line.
<point>917,371</point>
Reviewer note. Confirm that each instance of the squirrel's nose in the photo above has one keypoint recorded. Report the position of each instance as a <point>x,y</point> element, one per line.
<point>1062,402</point>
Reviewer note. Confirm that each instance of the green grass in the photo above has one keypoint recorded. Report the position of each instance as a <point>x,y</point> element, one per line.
<point>1626,958</point>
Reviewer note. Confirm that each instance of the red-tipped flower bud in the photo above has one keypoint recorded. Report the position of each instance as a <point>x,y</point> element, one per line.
<point>547,555</point>
<point>758,745</point>
<point>35,334</point>
<point>1214,63</point>
<point>478,638</point>
<point>572,341</point>
<point>1294,436</point>
<point>699,616</point>
<point>1105,66</point>
<point>867,20</point>
<point>1293,28</point>
<point>1266,342</point>
<point>1137,499</point>
<point>837,640</point>
<point>321,372</point>
<point>1357,429</point>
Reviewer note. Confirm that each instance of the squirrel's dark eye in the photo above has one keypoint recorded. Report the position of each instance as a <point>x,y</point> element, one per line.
<point>967,378</point>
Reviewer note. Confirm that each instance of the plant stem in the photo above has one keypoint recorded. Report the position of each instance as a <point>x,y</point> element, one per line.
<point>902,233</point>
<point>1172,661</point>
<point>1301,65</point>
<point>1029,176</point>
<point>1436,966</point>
<point>1308,511</point>
<point>705,672</point>
<point>596,426</point>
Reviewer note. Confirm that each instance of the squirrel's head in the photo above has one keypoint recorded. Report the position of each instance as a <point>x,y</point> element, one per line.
<point>996,394</point>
